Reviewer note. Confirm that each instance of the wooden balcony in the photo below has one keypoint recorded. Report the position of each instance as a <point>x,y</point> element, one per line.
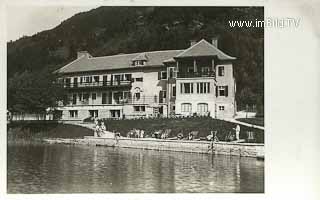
<point>196,74</point>
<point>97,85</point>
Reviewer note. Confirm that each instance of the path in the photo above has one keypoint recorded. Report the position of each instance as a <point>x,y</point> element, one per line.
<point>244,123</point>
<point>83,124</point>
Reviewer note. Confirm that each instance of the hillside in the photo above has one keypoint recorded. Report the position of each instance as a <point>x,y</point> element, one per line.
<point>113,30</point>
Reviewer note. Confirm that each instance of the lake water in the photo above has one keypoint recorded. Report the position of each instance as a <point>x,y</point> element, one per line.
<point>85,169</point>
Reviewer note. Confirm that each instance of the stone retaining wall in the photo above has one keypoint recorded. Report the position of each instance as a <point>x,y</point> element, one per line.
<point>224,148</point>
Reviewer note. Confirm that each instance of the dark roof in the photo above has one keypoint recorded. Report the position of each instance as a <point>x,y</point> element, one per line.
<point>121,61</point>
<point>204,48</point>
<point>153,58</point>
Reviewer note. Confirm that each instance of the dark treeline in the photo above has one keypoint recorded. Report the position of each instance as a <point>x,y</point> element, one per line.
<point>113,30</point>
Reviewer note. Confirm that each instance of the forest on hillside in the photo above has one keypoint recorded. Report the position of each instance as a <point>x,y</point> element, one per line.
<point>112,30</point>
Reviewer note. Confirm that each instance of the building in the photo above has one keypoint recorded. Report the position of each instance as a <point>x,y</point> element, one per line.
<point>198,80</point>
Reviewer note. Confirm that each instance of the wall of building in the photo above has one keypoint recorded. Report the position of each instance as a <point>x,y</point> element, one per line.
<point>149,90</point>
<point>195,98</point>
<point>229,101</point>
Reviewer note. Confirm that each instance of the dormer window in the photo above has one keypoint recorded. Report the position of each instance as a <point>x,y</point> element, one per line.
<point>139,63</point>
<point>140,60</point>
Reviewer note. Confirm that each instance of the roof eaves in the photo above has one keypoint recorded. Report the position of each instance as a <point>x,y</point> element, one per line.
<point>201,41</point>
<point>61,70</point>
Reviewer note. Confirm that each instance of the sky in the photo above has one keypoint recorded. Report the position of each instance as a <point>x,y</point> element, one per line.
<point>28,20</point>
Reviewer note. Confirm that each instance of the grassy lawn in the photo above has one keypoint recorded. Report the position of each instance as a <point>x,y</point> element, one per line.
<point>185,125</point>
<point>255,121</point>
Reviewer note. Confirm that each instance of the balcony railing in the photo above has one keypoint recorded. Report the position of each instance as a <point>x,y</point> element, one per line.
<point>98,84</point>
<point>143,100</point>
<point>195,74</point>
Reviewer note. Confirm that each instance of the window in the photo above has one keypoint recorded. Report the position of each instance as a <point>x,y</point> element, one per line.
<point>173,91</point>
<point>86,97</point>
<point>80,96</point>
<point>96,78</point>
<point>73,113</point>
<point>115,113</point>
<point>88,79</point>
<point>190,70</point>
<point>68,82</point>
<point>137,96</point>
<point>222,91</point>
<point>202,108</point>
<point>117,96</point>
<point>163,75</point>
<point>172,73</point>
<point>74,99</point>
<point>104,98</point>
<point>186,88</point>
<point>221,107</point>
<point>162,96</point>
<point>105,79</point>
<point>139,79</point>
<point>186,107</point>
<point>128,77</point>
<point>203,88</point>
<point>139,63</point>
<point>93,113</point>
<point>205,70</point>
<point>75,81</point>
<point>139,108</point>
<point>221,71</point>
<point>94,96</point>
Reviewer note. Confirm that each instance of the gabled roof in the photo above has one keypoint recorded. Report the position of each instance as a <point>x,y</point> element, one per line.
<point>204,48</point>
<point>170,60</point>
<point>121,61</point>
<point>141,56</point>
<point>152,58</point>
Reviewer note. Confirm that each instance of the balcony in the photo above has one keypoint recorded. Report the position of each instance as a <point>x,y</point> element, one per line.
<point>196,74</point>
<point>143,100</point>
<point>99,84</point>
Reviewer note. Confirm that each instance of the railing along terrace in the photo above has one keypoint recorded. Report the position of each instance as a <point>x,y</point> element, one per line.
<point>98,84</point>
<point>142,100</point>
<point>195,74</point>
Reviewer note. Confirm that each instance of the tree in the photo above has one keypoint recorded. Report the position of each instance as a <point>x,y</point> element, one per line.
<point>34,92</point>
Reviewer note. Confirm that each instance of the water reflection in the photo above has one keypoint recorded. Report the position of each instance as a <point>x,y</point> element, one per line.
<point>71,169</point>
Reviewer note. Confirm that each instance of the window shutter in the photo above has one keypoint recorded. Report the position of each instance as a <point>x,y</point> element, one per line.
<point>226,90</point>
<point>216,91</point>
<point>159,75</point>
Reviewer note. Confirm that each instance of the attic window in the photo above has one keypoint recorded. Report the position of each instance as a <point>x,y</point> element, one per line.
<point>139,62</point>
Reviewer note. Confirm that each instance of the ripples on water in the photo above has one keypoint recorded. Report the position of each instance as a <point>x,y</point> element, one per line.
<point>86,169</point>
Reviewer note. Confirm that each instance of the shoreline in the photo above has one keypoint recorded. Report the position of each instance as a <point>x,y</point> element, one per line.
<point>221,148</point>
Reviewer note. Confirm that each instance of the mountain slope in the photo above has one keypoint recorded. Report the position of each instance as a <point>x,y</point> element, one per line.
<point>113,30</point>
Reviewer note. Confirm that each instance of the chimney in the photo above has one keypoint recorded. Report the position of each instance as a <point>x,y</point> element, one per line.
<point>83,53</point>
<point>214,41</point>
<point>192,42</point>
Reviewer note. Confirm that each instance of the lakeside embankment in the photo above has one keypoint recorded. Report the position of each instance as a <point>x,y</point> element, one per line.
<point>221,148</point>
<point>50,132</point>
